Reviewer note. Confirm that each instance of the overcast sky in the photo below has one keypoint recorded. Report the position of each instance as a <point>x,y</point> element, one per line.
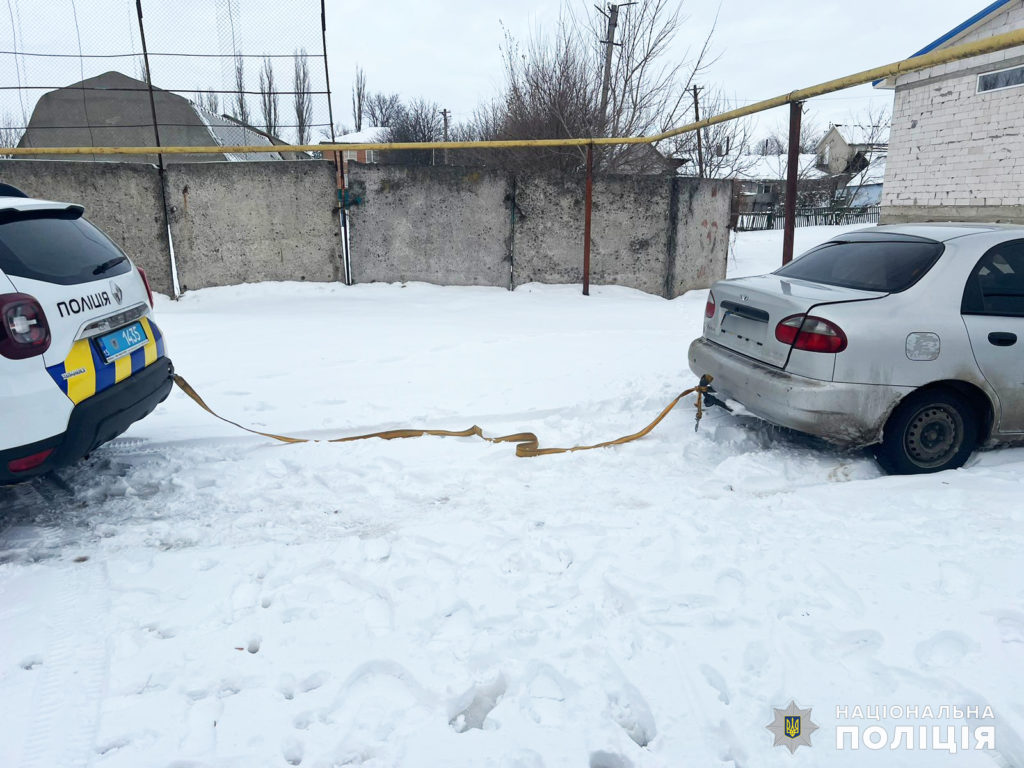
<point>449,52</point>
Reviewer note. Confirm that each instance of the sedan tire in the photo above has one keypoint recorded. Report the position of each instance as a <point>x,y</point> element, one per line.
<point>929,431</point>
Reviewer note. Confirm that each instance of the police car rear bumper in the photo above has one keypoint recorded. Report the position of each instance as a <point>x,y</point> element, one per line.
<point>95,421</point>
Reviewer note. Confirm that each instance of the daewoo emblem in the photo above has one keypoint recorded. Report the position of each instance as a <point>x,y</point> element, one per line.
<point>116,292</point>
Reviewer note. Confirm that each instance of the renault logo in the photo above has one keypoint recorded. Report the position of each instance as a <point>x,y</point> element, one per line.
<point>116,292</point>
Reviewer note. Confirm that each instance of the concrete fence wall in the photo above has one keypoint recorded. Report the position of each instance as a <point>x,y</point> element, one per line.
<point>443,224</point>
<point>250,222</point>
<point>465,226</point>
<point>247,222</point>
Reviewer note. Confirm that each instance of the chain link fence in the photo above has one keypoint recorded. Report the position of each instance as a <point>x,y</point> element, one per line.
<point>224,72</point>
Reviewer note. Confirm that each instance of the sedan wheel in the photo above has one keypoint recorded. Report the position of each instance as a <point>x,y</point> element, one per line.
<point>930,431</point>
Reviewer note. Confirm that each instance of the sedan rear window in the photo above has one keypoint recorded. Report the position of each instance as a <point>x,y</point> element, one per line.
<point>57,247</point>
<point>878,265</point>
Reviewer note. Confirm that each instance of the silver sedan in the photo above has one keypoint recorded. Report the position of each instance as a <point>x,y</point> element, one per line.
<point>908,338</point>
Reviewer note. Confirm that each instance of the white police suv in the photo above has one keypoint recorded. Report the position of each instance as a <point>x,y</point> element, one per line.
<point>80,356</point>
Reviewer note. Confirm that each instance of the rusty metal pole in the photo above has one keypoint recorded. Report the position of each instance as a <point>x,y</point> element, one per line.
<point>792,171</point>
<point>586,219</point>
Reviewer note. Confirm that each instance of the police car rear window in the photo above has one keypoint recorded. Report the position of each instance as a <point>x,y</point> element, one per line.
<point>57,247</point>
<point>876,265</point>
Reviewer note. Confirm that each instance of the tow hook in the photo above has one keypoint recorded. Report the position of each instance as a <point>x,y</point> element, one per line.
<point>709,394</point>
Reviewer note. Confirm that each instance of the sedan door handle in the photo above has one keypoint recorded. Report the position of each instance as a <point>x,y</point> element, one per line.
<point>1001,339</point>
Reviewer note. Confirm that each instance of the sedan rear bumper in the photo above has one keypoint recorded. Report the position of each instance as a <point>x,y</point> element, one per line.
<point>843,414</point>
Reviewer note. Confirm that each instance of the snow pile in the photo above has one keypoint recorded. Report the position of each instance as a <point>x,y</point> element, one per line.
<point>201,597</point>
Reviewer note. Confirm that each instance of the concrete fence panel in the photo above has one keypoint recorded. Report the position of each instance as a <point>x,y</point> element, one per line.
<point>629,230</point>
<point>699,221</point>
<point>250,222</point>
<point>443,224</point>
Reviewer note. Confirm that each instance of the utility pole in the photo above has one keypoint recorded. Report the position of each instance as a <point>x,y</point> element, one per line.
<point>796,110</point>
<point>609,41</point>
<point>700,143</point>
<point>444,114</point>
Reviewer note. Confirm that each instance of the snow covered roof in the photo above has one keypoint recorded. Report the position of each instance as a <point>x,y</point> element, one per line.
<point>371,135</point>
<point>863,134</point>
<point>230,133</point>
<point>773,167</point>
<point>875,173</point>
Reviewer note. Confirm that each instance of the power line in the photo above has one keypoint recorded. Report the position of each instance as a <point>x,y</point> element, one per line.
<point>14,37</point>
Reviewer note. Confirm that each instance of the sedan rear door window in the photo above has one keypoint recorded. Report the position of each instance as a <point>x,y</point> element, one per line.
<point>876,265</point>
<point>996,287</point>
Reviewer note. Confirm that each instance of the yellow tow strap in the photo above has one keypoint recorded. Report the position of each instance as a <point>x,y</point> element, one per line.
<point>528,444</point>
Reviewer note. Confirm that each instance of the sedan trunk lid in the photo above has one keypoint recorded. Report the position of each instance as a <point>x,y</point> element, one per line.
<point>749,308</point>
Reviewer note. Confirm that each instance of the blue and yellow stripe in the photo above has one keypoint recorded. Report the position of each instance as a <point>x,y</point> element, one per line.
<point>92,374</point>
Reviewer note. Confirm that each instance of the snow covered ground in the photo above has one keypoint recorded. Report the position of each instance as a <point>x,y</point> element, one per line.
<point>202,597</point>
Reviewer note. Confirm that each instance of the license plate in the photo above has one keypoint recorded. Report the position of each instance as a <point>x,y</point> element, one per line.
<point>123,341</point>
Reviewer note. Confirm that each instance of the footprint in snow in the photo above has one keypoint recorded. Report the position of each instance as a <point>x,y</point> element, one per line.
<point>946,649</point>
<point>715,680</point>
<point>473,707</point>
<point>629,709</point>
<point>293,751</point>
<point>314,681</point>
<point>601,759</point>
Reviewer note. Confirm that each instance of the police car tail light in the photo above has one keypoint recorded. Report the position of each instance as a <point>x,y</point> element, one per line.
<point>26,463</point>
<point>709,308</point>
<point>811,334</point>
<point>24,331</point>
<point>145,282</point>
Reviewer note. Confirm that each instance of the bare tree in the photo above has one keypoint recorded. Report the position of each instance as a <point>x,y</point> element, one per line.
<point>419,120</point>
<point>725,147</point>
<point>209,100</point>
<point>10,133</point>
<point>871,129</point>
<point>358,98</point>
<point>769,145</point>
<point>240,107</point>
<point>553,86</point>
<point>303,100</point>
<point>811,134</point>
<point>268,98</point>
<point>383,109</point>
<point>650,83</point>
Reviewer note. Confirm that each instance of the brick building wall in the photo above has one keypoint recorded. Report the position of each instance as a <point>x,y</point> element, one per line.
<point>954,153</point>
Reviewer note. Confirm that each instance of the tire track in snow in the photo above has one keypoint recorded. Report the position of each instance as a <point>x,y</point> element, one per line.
<point>64,714</point>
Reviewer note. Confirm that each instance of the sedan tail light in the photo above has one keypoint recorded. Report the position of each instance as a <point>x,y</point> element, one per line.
<point>811,334</point>
<point>709,308</point>
<point>145,282</point>
<point>24,331</point>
